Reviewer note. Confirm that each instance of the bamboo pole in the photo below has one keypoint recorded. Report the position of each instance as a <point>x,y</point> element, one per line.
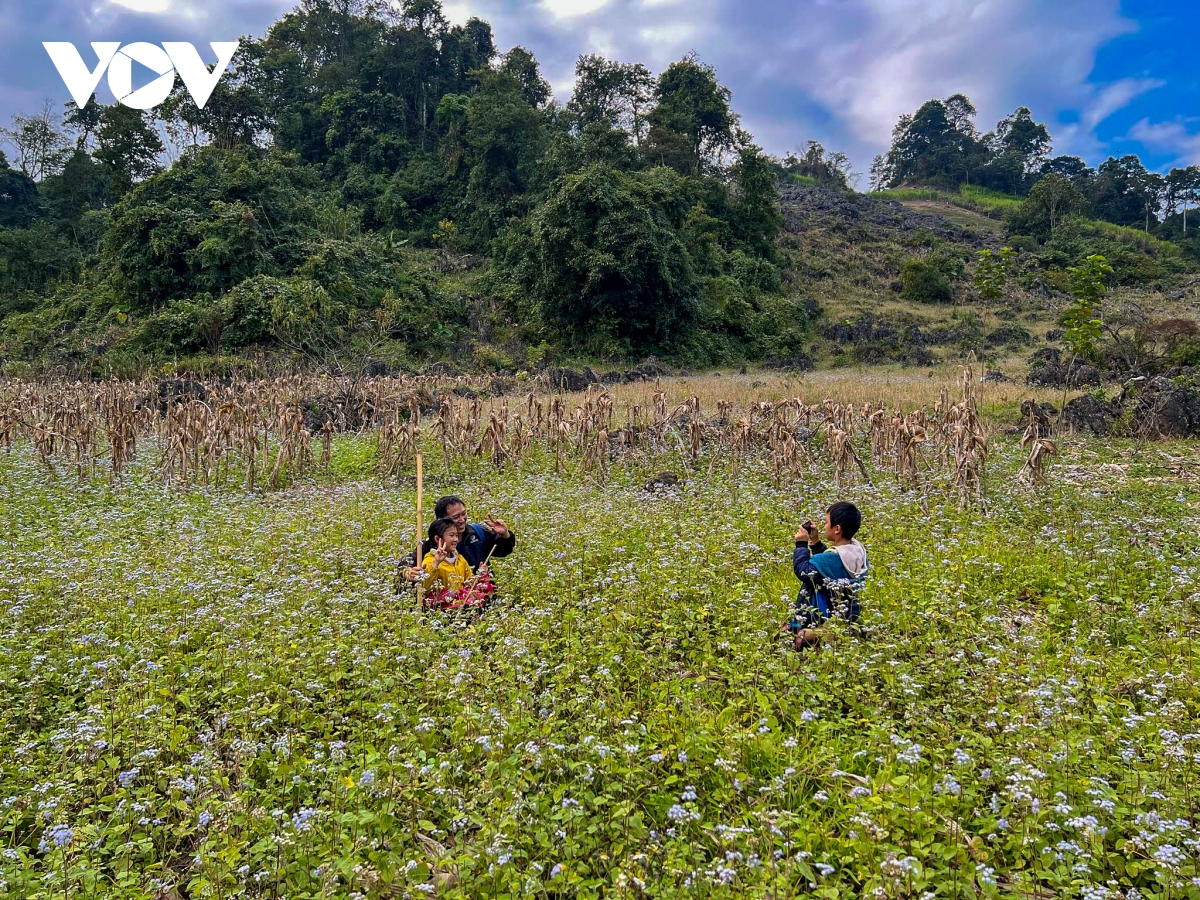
<point>417,556</point>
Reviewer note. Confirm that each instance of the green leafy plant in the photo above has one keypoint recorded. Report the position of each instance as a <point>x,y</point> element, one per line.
<point>1081,324</point>
<point>992,273</point>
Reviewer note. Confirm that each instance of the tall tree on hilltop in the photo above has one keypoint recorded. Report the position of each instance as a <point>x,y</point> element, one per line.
<point>1150,189</point>
<point>831,169</point>
<point>465,50</point>
<point>960,112</point>
<point>42,147</point>
<point>18,196</point>
<point>521,64</point>
<point>127,146</point>
<point>612,92</point>
<point>1072,167</point>
<point>1019,146</point>
<point>692,115</point>
<point>84,122</point>
<point>936,145</point>
<point>1182,188</point>
<point>1118,193</point>
<point>237,111</point>
<point>417,48</point>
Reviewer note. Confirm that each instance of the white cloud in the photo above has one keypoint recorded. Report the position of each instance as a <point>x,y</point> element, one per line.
<point>994,52</point>
<point>456,13</point>
<point>1116,96</point>
<point>601,41</point>
<point>1170,137</point>
<point>668,34</point>
<point>144,6</point>
<point>1080,137</point>
<point>570,9</point>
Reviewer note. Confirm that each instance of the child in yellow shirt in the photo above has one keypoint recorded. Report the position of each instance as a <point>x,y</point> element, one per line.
<point>444,571</point>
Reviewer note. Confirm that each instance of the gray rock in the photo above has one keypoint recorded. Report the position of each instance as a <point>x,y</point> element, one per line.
<point>570,380</point>
<point>1090,414</point>
<point>1164,408</point>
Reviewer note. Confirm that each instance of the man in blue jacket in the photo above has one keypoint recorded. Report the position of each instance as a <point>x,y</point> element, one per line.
<point>830,578</point>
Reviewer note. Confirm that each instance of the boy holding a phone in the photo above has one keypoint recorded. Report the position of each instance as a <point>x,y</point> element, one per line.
<point>830,577</point>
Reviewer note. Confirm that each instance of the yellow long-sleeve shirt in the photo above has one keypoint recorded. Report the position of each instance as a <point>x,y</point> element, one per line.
<point>448,574</point>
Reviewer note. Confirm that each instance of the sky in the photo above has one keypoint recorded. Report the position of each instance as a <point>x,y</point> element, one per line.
<point>1107,77</point>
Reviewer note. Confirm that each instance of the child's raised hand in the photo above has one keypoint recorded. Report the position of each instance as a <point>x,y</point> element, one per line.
<point>440,554</point>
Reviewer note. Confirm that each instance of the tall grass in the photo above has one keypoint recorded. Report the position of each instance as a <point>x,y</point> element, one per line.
<point>992,204</point>
<point>800,180</point>
<point>1135,236</point>
<point>993,201</point>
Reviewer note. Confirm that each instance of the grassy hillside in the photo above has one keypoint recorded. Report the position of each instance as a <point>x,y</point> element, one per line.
<point>848,254</point>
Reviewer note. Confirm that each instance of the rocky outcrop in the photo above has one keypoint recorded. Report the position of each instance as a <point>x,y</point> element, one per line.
<point>1048,368</point>
<point>1162,407</point>
<point>1089,414</point>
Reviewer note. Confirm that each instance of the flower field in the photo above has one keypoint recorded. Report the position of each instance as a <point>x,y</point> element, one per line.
<point>211,692</point>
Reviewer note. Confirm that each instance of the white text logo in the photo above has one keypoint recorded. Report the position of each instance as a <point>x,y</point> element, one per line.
<point>166,60</point>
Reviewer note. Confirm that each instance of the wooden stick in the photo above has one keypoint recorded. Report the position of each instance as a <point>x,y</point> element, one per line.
<point>417,556</point>
<point>475,578</point>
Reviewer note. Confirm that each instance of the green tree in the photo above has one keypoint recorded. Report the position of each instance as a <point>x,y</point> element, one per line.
<point>926,280</point>
<point>188,230</point>
<point>84,122</point>
<point>1081,324</point>
<point>1020,136</point>
<point>504,134</point>
<point>1072,167</point>
<point>1118,194</point>
<point>992,273</point>
<point>41,146</point>
<point>827,168</point>
<point>602,260</point>
<point>1052,199</point>
<point>82,185</point>
<point>521,64</point>
<point>935,145</point>
<point>615,93</point>
<point>127,146</point>
<point>237,112</point>
<point>1182,189</point>
<point>451,123</point>
<point>756,216</point>
<point>1150,189</point>
<point>18,196</point>
<point>692,112</point>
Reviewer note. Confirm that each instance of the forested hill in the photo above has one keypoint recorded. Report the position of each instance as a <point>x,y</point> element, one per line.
<point>371,184</point>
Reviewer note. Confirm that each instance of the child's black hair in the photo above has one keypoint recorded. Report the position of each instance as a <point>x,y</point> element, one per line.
<point>846,515</point>
<point>439,527</point>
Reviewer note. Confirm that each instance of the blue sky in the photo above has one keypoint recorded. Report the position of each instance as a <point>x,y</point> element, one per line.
<point>1107,77</point>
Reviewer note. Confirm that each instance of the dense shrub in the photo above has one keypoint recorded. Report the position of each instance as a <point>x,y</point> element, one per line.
<point>924,280</point>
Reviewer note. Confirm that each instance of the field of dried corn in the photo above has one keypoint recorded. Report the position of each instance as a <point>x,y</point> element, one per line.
<point>209,687</point>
